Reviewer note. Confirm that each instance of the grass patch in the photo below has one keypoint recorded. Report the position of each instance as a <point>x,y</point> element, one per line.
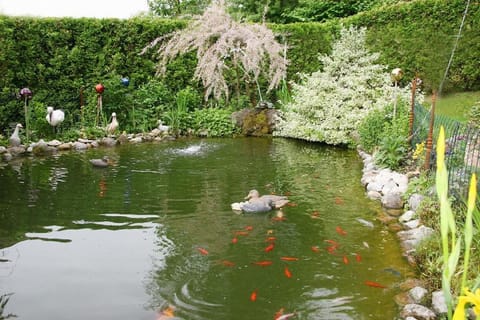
<point>454,105</point>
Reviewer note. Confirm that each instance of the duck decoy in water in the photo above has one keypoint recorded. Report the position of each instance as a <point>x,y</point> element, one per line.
<point>277,201</point>
<point>253,206</point>
<point>14,139</point>
<point>100,163</point>
<point>113,126</point>
<point>54,117</point>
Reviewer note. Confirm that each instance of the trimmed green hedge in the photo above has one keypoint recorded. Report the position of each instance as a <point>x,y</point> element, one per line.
<point>56,57</point>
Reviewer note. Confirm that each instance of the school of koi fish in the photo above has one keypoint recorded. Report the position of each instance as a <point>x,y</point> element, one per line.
<point>331,246</point>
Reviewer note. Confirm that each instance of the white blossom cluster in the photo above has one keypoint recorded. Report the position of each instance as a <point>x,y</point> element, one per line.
<point>329,104</point>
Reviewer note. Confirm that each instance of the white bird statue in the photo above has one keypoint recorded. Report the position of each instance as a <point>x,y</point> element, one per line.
<point>54,117</point>
<point>15,138</point>
<point>163,128</point>
<point>112,126</point>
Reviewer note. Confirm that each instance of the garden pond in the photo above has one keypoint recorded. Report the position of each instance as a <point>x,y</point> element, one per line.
<point>153,235</point>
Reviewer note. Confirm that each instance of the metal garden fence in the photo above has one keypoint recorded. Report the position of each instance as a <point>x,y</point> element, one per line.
<point>462,146</point>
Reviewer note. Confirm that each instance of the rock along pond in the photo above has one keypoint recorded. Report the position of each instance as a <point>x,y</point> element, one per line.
<point>153,235</point>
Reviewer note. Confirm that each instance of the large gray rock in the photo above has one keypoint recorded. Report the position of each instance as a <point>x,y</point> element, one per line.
<point>3,149</point>
<point>79,146</point>
<point>418,294</point>
<point>411,238</point>
<point>414,201</point>
<point>438,303</point>
<point>418,312</point>
<point>392,200</point>
<point>407,216</point>
<point>108,142</point>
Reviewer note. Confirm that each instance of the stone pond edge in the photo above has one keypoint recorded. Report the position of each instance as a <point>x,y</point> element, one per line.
<point>389,187</point>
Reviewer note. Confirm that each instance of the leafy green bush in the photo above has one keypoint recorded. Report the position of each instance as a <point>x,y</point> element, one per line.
<point>391,152</point>
<point>213,122</point>
<point>330,104</point>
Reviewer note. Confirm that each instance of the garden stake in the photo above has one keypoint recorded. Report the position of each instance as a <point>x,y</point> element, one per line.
<point>26,93</point>
<point>412,105</point>
<point>430,133</point>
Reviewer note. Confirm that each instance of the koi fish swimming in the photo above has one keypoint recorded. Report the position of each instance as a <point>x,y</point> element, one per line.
<point>374,284</point>
<point>202,251</point>
<point>287,272</point>
<point>234,240</point>
<point>263,263</point>
<point>228,263</point>
<point>289,258</point>
<point>340,231</point>
<point>253,296</point>
<point>270,247</point>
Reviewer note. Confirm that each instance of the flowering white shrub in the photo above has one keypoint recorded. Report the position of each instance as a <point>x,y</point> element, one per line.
<point>329,105</point>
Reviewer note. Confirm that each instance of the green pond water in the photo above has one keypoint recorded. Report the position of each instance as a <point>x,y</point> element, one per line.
<point>124,242</point>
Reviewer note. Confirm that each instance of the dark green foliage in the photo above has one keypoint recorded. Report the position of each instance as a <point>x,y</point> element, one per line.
<point>213,122</point>
<point>57,57</point>
<point>388,135</point>
<point>419,37</point>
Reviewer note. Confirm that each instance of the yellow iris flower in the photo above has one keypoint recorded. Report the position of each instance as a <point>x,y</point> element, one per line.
<point>468,298</point>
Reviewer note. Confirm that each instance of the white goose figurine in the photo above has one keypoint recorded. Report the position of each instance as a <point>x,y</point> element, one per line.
<point>14,139</point>
<point>54,117</point>
<point>113,126</point>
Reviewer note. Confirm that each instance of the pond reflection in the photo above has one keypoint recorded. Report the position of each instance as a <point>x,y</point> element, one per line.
<point>152,236</point>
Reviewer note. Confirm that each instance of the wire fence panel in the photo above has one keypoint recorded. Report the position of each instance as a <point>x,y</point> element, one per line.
<point>462,147</point>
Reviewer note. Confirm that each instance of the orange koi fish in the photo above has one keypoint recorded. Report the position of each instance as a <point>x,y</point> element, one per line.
<point>279,219</point>
<point>263,263</point>
<point>166,313</point>
<point>270,247</point>
<point>234,240</point>
<point>340,231</point>
<point>287,272</point>
<point>333,243</point>
<point>338,200</point>
<point>315,248</point>
<point>253,296</point>
<point>228,263</point>
<point>278,314</point>
<point>289,258</point>
<point>358,257</point>
<point>345,260</point>
<point>248,228</point>
<point>202,251</point>
<point>270,239</point>
<point>241,233</point>
<point>374,284</point>
<point>315,214</point>
<point>331,249</point>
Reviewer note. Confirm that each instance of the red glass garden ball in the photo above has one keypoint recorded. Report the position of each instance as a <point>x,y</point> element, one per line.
<point>99,88</point>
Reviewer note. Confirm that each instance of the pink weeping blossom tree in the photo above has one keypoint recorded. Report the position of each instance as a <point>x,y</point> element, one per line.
<point>225,47</point>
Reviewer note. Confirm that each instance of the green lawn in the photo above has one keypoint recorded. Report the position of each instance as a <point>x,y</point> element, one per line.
<point>455,105</point>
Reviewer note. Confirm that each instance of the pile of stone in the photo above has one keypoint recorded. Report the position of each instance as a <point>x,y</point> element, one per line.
<point>45,148</point>
<point>390,187</point>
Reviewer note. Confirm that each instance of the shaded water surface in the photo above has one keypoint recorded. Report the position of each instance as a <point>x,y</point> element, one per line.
<point>130,241</point>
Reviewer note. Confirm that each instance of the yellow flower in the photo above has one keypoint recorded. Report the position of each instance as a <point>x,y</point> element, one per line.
<point>468,298</point>
<point>419,149</point>
<point>441,149</point>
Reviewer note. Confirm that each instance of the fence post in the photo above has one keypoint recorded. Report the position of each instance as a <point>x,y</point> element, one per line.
<point>429,143</point>
<point>411,115</point>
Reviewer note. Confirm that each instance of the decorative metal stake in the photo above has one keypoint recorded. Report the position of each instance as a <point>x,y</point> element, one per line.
<point>429,143</point>
<point>26,94</point>
<point>412,105</point>
<point>99,88</point>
